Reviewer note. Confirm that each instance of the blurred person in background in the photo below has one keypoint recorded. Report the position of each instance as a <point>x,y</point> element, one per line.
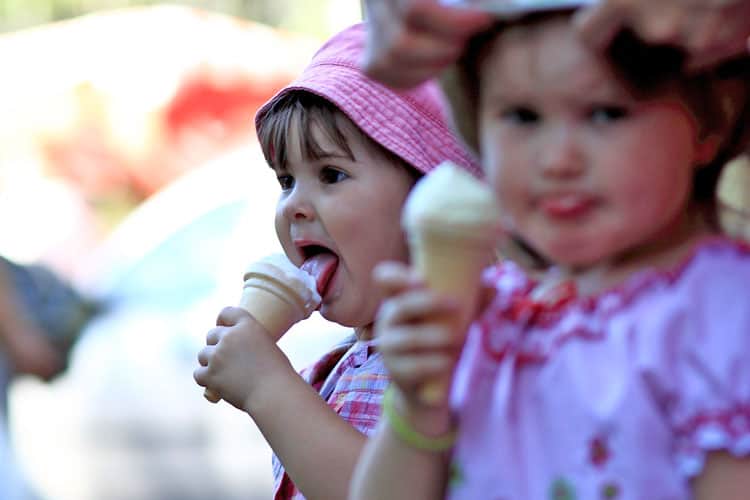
<point>24,349</point>
<point>41,316</point>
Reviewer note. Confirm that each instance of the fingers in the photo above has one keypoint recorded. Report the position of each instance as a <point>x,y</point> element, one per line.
<point>410,42</point>
<point>230,316</point>
<point>708,31</point>
<point>447,23</point>
<point>598,25</point>
<point>205,355</point>
<point>393,278</point>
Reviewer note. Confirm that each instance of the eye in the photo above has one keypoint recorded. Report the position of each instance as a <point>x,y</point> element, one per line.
<point>607,113</point>
<point>521,115</point>
<point>286,181</point>
<point>330,175</point>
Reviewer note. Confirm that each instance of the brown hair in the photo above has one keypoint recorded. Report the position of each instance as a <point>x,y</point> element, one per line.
<point>301,110</point>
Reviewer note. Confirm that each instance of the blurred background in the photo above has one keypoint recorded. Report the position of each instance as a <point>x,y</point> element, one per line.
<point>129,169</point>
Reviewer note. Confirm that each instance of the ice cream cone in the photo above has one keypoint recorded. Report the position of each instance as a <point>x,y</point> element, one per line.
<point>278,295</point>
<point>453,227</point>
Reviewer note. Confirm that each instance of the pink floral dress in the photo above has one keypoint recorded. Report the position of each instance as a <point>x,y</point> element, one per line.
<point>616,396</point>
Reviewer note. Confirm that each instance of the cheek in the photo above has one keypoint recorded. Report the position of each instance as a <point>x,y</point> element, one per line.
<point>501,174</point>
<point>282,229</point>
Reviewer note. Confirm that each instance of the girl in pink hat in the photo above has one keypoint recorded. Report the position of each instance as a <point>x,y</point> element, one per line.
<point>346,151</point>
<point>623,372</point>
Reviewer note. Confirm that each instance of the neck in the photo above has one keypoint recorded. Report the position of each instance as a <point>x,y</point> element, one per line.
<point>364,332</point>
<point>664,251</point>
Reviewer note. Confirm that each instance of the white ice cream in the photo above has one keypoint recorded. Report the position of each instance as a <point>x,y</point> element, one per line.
<point>278,268</point>
<point>452,201</point>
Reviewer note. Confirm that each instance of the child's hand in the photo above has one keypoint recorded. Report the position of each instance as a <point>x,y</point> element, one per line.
<point>411,41</point>
<point>241,361</point>
<point>708,30</point>
<point>418,344</point>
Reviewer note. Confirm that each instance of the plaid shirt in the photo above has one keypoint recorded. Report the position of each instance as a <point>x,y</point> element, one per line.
<point>351,378</point>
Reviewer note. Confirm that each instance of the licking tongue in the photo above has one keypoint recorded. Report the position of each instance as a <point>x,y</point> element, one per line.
<point>321,267</point>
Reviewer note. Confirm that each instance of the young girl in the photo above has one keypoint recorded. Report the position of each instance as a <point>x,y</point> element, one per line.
<point>346,151</point>
<point>624,371</point>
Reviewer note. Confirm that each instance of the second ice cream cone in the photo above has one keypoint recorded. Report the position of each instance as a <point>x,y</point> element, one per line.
<point>452,221</point>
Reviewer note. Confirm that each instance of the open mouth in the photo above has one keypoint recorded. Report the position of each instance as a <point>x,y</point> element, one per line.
<point>321,263</point>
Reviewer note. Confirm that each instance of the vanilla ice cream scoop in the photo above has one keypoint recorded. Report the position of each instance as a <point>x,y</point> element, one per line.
<point>453,225</point>
<point>452,202</point>
<point>277,294</point>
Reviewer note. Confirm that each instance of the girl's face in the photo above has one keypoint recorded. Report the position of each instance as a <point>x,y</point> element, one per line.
<point>343,213</point>
<point>583,170</point>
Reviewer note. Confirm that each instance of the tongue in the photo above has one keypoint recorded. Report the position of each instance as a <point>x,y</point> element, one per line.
<point>321,267</point>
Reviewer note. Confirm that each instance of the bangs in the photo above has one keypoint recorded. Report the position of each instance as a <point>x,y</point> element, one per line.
<point>300,112</point>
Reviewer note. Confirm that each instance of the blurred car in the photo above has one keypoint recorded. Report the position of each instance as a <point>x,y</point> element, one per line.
<point>127,420</point>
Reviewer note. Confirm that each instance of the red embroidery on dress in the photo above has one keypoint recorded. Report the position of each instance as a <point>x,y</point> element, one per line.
<point>599,453</point>
<point>531,317</point>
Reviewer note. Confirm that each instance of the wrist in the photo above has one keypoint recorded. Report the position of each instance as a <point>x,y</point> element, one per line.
<point>427,428</point>
<point>263,395</point>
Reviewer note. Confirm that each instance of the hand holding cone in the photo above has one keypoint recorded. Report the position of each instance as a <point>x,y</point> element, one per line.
<point>453,226</point>
<point>277,294</point>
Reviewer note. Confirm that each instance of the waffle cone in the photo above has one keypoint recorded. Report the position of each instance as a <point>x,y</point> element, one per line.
<point>451,265</point>
<point>276,306</point>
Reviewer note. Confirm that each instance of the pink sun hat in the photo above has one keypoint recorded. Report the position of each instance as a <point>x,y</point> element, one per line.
<point>412,124</point>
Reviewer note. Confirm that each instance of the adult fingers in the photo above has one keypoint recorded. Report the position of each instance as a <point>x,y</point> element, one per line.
<point>597,25</point>
<point>450,23</point>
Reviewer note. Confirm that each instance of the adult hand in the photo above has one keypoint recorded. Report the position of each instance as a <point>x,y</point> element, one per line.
<point>709,31</point>
<point>411,41</point>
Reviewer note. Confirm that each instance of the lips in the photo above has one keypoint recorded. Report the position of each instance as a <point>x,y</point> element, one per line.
<point>565,205</point>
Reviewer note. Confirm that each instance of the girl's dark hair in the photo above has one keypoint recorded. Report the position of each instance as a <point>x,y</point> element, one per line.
<point>301,110</point>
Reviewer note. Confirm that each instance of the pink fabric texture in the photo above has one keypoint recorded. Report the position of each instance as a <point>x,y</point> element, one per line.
<point>351,378</point>
<point>412,124</point>
<point>616,396</point>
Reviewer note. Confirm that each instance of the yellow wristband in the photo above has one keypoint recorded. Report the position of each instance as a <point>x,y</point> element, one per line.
<point>411,436</point>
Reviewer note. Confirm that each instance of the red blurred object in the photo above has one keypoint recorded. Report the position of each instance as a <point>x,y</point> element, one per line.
<point>137,112</point>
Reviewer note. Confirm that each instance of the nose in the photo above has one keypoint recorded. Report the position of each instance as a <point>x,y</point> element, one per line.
<point>296,205</point>
<point>560,153</point>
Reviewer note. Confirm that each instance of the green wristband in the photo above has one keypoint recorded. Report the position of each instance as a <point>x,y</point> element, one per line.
<point>411,436</point>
